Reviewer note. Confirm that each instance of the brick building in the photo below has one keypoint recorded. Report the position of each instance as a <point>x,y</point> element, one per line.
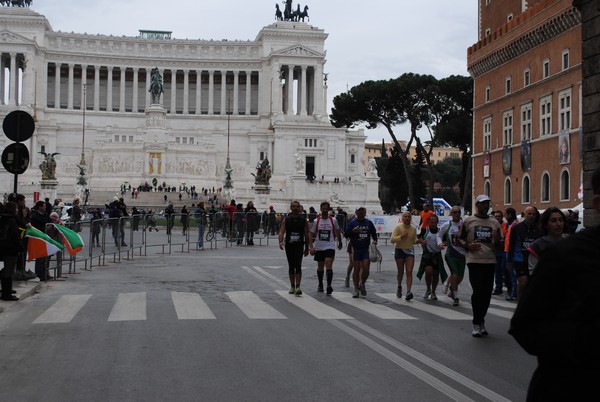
<point>527,103</point>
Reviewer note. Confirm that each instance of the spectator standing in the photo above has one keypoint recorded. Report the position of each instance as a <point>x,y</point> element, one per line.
<point>10,247</point>
<point>75,215</point>
<point>557,317</point>
<point>522,235</point>
<point>170,215</point>
<point>185,219</point>
<point>39,220</point>
<point>252,221</point>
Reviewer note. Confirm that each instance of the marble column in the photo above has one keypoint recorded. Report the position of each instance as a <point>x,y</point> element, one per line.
<point>236,78</point>
<point>223,92</point>
<point>109,89</point>
<point>186,91</point>
<point>173,108</point>
<point>198,91</point>
<point>148,96</point>
<point>96,87</point>
<point>135,89</point>
<point>70,86</point>
<point>2,81</point>
<point>290,90</point>
<point>83,87</point>
<point>302,102</point>
<point>57,86</point>
<point>122,89</point>
<point>211,92</point>
<point>248,93</point>
<point>318,91</point>
<point>12,91</point>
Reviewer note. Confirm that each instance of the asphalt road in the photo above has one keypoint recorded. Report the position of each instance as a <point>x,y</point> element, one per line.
<point>218,325</point>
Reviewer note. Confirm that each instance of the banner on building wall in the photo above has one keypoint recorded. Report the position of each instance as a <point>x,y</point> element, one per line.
<point>507,159</point>
<point>487,161</point>
<point>564,148</point>
<point>525,155</point>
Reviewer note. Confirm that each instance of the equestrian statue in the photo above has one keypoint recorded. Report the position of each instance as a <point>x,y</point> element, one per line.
<point>156,85</point>
<point>289,14</point>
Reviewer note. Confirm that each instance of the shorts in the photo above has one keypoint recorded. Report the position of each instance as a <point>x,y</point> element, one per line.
<point>403,253</point>
<point>521,268</point>
<point>456,264</point>
<point>321,255</point>
<point>433,260</point>
<point>361,254</point>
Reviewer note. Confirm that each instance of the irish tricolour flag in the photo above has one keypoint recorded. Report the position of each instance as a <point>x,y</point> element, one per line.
<point>71,239</point>
<point>40,244</point>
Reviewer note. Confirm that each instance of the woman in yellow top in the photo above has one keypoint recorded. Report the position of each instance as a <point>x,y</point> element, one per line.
<point>405,237</point>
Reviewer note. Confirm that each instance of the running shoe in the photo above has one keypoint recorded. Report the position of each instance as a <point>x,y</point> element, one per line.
<point>483,330</point>
<point>399,292</point>
<point>347,282</point>
<point>363,290</point>
<point>320,289</point>
<point>298,291</point>
<point>427,294</point>
<point>433,296</point>
<point>455,303</point>
<point>476,331</point>
<point>329,290</point>
<point>409,296</point>
<point>292,290</point>
<point>446,287</point>
<point>356,294</point>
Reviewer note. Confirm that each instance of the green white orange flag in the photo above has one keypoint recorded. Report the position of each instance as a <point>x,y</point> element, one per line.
<point>40,244</point>
<point>71,239</point>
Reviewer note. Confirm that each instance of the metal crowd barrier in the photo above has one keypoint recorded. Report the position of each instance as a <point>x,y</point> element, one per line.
<point>110,240</point>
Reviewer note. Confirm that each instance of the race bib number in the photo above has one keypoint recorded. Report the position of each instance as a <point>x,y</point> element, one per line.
<point>363,235</point>
<point>324,235</point>
<point>294,237</point>
<point>483,234</point>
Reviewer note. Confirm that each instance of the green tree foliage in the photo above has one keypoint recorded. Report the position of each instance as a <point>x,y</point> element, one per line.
<point>413,99</point>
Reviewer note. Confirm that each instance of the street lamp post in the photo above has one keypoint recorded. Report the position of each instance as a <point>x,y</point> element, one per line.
<point>228,190</point>
<point>81,186</point>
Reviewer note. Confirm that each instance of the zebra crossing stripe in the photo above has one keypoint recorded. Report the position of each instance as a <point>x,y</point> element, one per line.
<point>253,306</point>
<point>190,306</point>
<point>377,310</point>
<point>63,310</point>
<point>129,307</point>
<point>434,308</point>
<point>313,307</point>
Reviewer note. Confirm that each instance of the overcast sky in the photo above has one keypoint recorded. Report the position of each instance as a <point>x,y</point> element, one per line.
<point>368,40</point>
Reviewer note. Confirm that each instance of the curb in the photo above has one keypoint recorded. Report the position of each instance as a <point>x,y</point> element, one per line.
<point>24,290</point>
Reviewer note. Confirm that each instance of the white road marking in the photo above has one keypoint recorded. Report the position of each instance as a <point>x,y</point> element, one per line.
<point>129,307</point>
<point>253,306</point>
<point>429,307</point>
<point>377,310</point>
<point>63,310</point>
<point>315,308</point>
<point>190,306</point>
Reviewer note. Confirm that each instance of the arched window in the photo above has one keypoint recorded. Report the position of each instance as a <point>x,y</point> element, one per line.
<point>507,191</point>
<point>565,185</point>
<point>487,189</point>
<point>545,187</point>
<point>525,190</point>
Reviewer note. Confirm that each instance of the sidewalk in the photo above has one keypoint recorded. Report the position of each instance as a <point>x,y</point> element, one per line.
<point>24,289</point>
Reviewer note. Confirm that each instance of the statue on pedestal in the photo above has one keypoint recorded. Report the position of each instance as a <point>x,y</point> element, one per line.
<point>48,166</point>
<point>156,85</point>
<point>263,173</point>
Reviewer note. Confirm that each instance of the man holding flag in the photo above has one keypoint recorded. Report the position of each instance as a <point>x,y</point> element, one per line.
<point>39,219</point>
